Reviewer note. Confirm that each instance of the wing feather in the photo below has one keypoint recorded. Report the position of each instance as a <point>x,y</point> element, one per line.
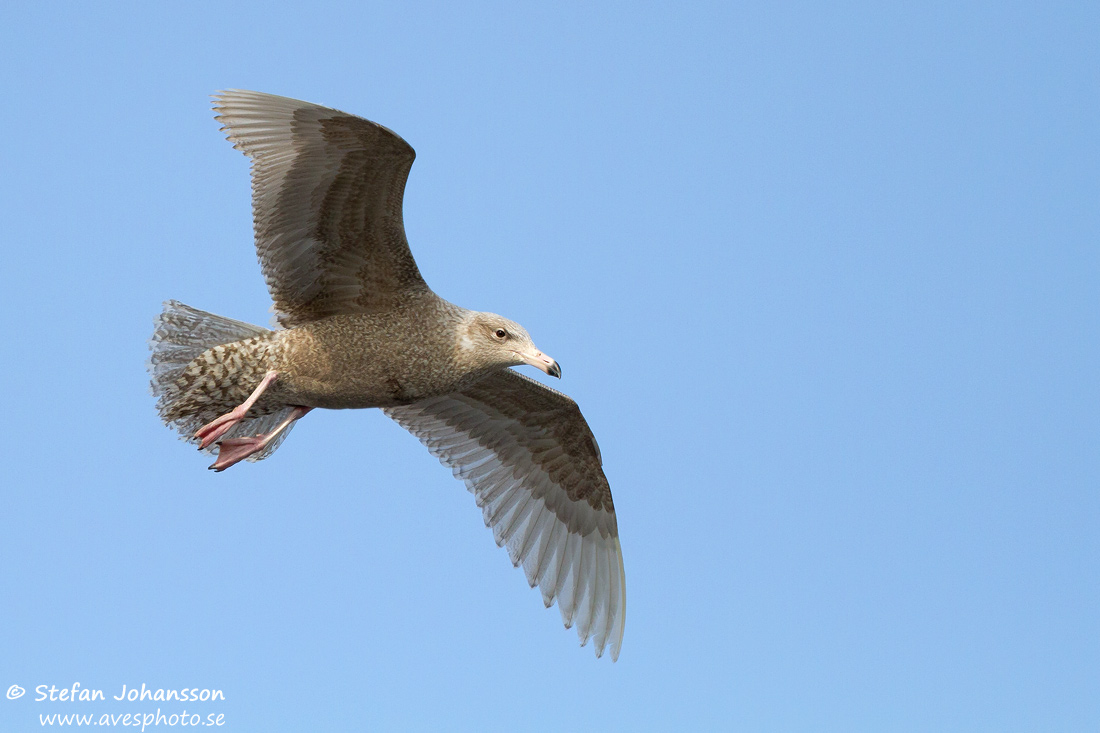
<point>327,191</point>
<point>528,456</point>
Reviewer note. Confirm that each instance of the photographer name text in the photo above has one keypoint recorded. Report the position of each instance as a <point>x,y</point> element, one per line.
<point>76,693</point>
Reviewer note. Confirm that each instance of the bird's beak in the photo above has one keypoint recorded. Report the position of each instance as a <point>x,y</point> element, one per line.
<point>541,361</point>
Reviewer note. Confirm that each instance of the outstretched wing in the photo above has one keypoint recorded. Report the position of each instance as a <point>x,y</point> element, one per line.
<point>529,457</point>
<point>327,189</point>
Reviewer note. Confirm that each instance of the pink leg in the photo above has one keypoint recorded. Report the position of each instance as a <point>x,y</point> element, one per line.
<point>235,450</point>
<point>218,427</point>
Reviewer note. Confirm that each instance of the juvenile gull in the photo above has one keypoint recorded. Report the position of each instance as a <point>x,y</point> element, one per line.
<point>361,328</point>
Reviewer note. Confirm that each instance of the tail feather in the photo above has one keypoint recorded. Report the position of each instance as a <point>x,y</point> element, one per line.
<point>181,335</point>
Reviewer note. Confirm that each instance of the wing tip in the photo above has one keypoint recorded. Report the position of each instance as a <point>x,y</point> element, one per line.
<point>224,98</point>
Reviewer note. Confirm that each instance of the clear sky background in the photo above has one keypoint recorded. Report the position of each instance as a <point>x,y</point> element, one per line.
<point>822,279</point>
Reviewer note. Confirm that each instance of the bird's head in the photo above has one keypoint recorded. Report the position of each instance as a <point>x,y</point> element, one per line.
<point>494,341</point>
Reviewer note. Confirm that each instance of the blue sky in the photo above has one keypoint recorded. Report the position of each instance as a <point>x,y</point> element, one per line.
<point>823,281</point>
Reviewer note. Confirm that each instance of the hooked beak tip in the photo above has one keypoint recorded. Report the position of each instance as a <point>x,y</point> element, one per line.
<point>541,361</point>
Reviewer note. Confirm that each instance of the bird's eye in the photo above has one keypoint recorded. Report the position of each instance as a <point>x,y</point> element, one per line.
<point>501,333</point>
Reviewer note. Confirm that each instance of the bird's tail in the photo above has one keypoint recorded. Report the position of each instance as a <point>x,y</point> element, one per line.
<point>181,335</point>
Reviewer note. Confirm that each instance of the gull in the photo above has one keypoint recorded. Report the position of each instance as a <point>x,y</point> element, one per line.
<point>357,327</point>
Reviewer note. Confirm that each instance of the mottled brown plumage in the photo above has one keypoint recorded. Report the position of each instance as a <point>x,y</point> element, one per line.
<point>360,328</point>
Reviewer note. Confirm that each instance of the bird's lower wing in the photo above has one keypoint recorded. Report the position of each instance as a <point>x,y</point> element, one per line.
<point>530,459</point>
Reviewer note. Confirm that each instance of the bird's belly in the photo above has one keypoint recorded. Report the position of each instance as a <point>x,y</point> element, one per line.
<point>357,389</point>
<point>344,363</point>
<point>335,399</point>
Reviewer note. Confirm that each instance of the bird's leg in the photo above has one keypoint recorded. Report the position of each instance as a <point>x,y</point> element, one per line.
<point>235,450</point>
<point>218,427</point>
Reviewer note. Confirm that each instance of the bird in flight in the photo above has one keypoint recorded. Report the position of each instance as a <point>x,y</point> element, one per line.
<point>358,327</point>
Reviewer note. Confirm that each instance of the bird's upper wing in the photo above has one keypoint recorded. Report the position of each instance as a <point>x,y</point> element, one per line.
<point>327,189</point>
<point>530,459</point>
